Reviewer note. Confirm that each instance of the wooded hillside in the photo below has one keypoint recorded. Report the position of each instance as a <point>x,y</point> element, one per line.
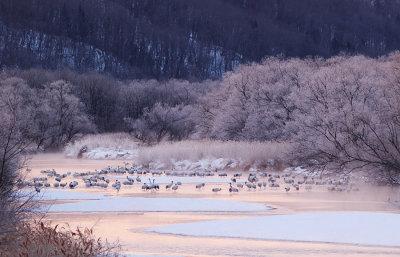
<point>189,39</point>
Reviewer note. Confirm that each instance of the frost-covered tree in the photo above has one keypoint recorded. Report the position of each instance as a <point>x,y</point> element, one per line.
<point>232,112</point>
<point>162,121</point>
<point>61,116</point>
<point>342,113</point>
<point>253,102</point>
<point>16,122</point>
<point>205,112</point>
<point>348,116</point>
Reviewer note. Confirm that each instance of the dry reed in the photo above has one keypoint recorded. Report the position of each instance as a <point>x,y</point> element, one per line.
<point>40,239</point>
<point>246,153</point>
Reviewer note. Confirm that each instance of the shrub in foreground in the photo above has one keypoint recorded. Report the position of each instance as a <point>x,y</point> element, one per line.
<point>40,239</point>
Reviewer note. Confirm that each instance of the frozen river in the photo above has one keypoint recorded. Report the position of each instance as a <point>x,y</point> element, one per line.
<point>134,226</point>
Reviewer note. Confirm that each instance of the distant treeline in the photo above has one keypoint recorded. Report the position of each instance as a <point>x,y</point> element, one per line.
<point>188,39</point>
<point>63,104</point>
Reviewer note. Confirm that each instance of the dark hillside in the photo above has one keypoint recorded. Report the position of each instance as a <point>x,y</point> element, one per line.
<point>193,39</point>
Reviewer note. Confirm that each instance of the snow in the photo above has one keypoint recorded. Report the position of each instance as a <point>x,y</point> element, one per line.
<point>206,163</point>
<point>102,153</point>
<point>212,164</point>
<point>182,165</point>
<point>134,204</point>
<point>220,163</point>
<point>111,154</point>
<point>209,163</point>
<point>360,228</point>
<point>46,195</point>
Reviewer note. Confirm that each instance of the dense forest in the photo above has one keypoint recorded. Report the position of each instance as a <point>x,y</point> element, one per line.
<point>188,39</point>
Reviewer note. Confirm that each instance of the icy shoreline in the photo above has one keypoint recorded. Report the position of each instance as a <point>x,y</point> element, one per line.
<point>358,228</point>
<point>142,204</point>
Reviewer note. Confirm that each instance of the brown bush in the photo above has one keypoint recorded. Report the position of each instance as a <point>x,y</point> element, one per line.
<point>41,239</point>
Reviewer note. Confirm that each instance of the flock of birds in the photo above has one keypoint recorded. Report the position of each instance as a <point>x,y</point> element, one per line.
<point>260,179</point>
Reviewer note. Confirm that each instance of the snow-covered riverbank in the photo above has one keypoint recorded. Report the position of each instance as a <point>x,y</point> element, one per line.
<point>360,228</point>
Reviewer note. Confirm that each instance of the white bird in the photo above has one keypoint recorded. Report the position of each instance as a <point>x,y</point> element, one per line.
<point>169,185</point>
<point>233,189</point>
<point>264,184</point>
<point>200,185</point>
<point>252,178</point>
<point>73,184</point>
<point>249,186</point>
<point>154,185</point>
<point>309,181</point>
<point>274,185</point>
<point>331,188</point>
<point>288,180</point>
<point>263,174</point>
<point>117,185</point>
<point>287,189</point>
<point>145,186</point>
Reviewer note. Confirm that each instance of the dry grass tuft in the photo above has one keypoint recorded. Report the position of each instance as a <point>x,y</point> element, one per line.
<point>246,153</point>
<point>40,239</point>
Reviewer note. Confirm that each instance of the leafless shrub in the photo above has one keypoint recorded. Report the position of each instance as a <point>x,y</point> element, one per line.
<point>41,239</point>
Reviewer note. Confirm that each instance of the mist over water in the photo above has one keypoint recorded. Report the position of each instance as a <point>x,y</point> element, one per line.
<point>130,228</point>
